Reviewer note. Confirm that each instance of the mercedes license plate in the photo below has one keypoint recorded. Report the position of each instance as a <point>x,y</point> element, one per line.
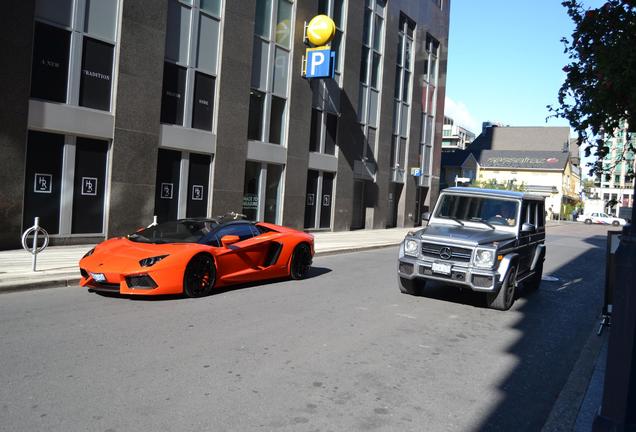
<point>442,268</point>
<point>98,277</point>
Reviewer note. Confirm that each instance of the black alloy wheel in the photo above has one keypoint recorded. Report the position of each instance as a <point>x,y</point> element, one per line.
<point>199,276</point>
<point>504,299</point>
<point>300,262</point>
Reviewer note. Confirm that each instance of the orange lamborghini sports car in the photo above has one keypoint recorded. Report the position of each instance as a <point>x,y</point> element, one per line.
<point>195,256</point>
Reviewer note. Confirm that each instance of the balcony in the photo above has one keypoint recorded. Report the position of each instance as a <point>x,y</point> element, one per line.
<point>364,170</point>
<point>397,175</point>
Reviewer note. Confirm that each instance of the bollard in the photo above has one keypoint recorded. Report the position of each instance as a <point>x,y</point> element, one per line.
<point>35,250</point>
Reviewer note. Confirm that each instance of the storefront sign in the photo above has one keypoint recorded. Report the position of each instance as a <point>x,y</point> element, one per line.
<point>250,201</point>
<point>89,186</point>
<point>197,192</point>
<point>326,200</point>
<point>166,190</point>
<point>310,199</point>
<point>43,183</point>
<point>416,172</point>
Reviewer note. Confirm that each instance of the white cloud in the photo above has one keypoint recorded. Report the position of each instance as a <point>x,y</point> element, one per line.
<point>458,111</point>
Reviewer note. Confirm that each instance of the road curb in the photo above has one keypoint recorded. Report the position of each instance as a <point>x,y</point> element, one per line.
<point>60,282</point>
<point>49,283</point>
<point>566,408</point>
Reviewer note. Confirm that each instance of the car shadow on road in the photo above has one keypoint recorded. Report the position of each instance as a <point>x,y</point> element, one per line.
<point>553,325</point>
<point>313,273</point>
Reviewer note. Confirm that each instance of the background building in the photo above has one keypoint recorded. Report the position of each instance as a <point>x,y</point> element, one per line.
<point>125,109</point>
<point>615,185</point>
<point>454,136</point>
<point>541,160</point>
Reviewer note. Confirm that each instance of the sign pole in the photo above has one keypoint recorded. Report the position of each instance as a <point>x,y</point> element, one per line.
<point>34,252</point>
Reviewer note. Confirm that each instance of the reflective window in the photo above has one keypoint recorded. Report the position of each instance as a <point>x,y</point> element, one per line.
<point>191,54</point>
<point>96,74</point>
<point>49,74</point>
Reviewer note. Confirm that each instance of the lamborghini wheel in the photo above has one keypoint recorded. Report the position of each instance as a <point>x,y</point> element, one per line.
<point>199,276</point>
<point>300,262</point>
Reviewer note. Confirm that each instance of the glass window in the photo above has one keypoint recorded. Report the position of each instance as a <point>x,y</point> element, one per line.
<point>178,32</point>
<point>255,123</point>
<point>373,107</point>
<point>364,65</point>
<point>277,120</point>
<point>59,12</point>
<point>251,190</point>
<point>259,64</point>
<point>203,102</point>
<point>49,74</point>
<point>173,94</point>
<point>212,6</point>
<point>366,32</point>
<point>262,20</point>
<point>337,13</point>
<point>314,135</point>
<point>330,137</point>
<point>375,70</point>
<point>96,75</point>
<point>101,18</point>
<point>208,43</point>
<point>272,192</point>
<point>281,62</point>
<point>377,33</point>
<point>284,24</point>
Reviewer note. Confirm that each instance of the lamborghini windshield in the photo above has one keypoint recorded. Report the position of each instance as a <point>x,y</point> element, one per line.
<point>181,231</point>
<point>489,211</point>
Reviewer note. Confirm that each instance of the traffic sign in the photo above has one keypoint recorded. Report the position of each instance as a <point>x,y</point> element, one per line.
<point>321,30</point>
<point>320,62</point>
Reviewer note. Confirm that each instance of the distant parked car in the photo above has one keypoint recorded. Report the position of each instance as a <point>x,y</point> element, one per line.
<point>601,218</point>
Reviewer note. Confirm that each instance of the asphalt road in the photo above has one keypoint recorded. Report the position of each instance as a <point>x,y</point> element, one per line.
<point>340,351</point>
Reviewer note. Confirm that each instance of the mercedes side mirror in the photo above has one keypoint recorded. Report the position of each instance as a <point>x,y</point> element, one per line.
<point>528,228</point>
<point>426,216</point>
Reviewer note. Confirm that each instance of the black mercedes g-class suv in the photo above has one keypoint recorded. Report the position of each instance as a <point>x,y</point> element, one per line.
<point>481,239</point>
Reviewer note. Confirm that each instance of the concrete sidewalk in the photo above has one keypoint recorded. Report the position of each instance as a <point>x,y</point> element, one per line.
<point>57,265</point>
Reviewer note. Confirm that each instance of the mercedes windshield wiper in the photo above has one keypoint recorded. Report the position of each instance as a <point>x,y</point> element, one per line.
<point>482,221</point>
<point>460,223</point>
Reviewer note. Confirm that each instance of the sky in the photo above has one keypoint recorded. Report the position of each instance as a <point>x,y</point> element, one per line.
<point>505,60</point>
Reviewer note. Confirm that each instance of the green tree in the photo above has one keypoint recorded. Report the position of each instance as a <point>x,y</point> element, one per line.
<point>599,91</point>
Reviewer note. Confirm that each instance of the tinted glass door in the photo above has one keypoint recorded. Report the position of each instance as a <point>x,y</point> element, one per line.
<point>42,186</point>
<point>167,188</point>
<point>326,200</point>
<point>89,186</point>
<point>310,199</point>
<point>198,180</point>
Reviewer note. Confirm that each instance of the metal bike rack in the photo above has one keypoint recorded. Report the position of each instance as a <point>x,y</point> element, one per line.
<point>34,250</point>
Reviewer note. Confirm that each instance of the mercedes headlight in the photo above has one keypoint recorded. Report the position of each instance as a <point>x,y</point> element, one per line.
<point>410,247</point>
<point>484,258</point>
<point>147,262</point>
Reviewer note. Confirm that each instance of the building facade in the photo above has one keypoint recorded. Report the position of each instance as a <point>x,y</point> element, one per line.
<point>127,109</point>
